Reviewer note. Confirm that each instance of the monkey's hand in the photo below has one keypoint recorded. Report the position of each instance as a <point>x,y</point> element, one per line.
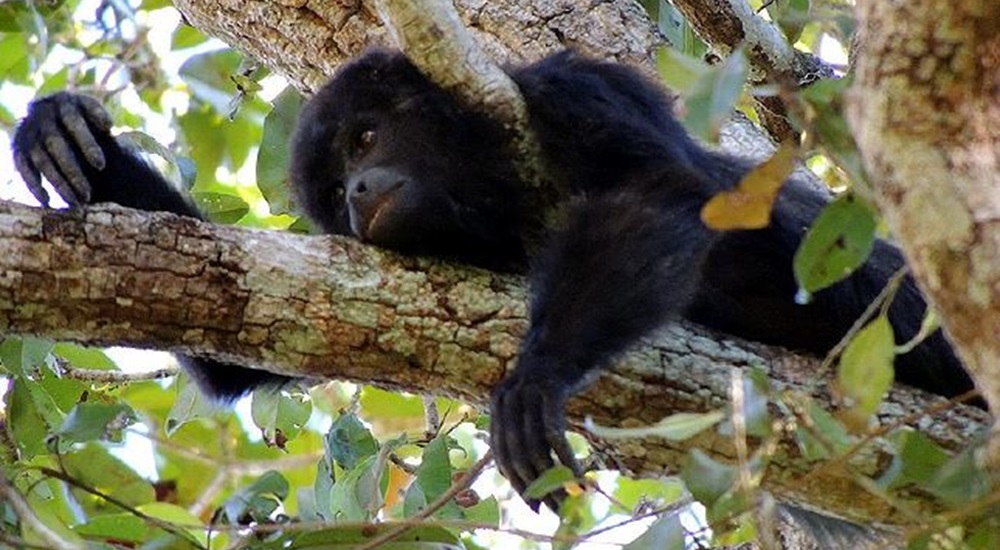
<point>528,425</point>
<point>59,139</point>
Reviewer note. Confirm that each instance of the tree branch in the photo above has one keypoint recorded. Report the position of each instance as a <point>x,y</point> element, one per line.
<point>331,307</point>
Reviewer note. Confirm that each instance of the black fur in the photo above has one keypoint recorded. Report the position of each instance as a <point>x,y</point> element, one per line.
<point>384,154</point>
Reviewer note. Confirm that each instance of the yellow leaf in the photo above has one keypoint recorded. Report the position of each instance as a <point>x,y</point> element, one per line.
<point>749,205</point>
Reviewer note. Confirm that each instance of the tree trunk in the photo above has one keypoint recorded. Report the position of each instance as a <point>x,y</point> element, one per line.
<point>926,114</point>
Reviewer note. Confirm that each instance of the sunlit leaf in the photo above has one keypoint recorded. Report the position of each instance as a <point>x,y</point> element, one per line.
<point>83,357</point>
<point>186,37</point>
<point>553,479</point>
<point>676,427</point>
<point>94,466</point>
<point>417,537</point>
<point>177,515</point>
<point>680,72</point>
<point>484,512</point>
<point>659,491</point>
<point>749,205</point>
<point>122,527</point>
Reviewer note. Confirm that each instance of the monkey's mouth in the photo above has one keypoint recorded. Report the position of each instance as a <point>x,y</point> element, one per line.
<point>375,218</point>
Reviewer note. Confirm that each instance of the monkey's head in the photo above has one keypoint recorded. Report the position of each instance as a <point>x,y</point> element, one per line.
<point>384,154</point>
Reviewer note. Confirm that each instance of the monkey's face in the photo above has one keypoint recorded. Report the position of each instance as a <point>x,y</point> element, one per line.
<point>384,155</point>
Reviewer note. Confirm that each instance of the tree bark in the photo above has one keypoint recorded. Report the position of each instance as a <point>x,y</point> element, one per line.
<point>331,307</point>
<point>926,115</point>
<point>305,40</point>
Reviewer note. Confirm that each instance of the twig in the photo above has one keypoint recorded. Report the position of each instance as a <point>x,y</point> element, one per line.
<point>30,520</point>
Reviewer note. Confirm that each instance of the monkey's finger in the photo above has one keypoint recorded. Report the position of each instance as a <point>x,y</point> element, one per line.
<point>555,435</point>
<point>41,159</point>
<point>522,473</point>
<point>68,166</point>
<point>536,452</point>
<point>32,178</point>
<point>95,112</point>
<point>75,123</point>
<point>498,441</point>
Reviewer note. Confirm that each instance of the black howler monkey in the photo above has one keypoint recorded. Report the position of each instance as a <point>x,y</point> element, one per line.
<point>385,155</point>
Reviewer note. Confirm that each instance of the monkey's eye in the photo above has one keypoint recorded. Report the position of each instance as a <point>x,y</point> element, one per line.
<point>364,143</point>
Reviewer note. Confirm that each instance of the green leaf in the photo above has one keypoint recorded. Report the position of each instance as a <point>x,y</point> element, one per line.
<point>190,404</point>
<point>376,403</point>
<point>357,496</point>
<point>83,357</point>
<point>257,501</point>
<point>917,460</point>
<point>96,467</point>
<point>484,512</point>
<point>834,435</point>
<point>322,489</point>
<point>419,537</point>
<point>666,533</point>
<point>349,442</point>
<point>278,411</point>
<point>178,168</point>
<point>208,77</point>
<point>756,392</point>
<point>791,16</point>
<point>865,372</point>
<point>838,242</point>
<point>712,97</point>
<point>706,479</point>
<point>221,208</point>
<point>676,427</point>
<point>275,150</point>
<point>434,477</point>
<point>826,98</point>
<point>123,527</point>
<point>31,415</point>
<point>553,479</point>
<point>961,480</point>
<point>23,355</point>
<point>678,71</point>
<point>631,492</point>
<point>176,515</point>
<point>186,36</point>
<point>93,420</point>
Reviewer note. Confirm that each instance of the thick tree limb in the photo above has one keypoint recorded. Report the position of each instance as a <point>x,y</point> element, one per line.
<point>331,307</point>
